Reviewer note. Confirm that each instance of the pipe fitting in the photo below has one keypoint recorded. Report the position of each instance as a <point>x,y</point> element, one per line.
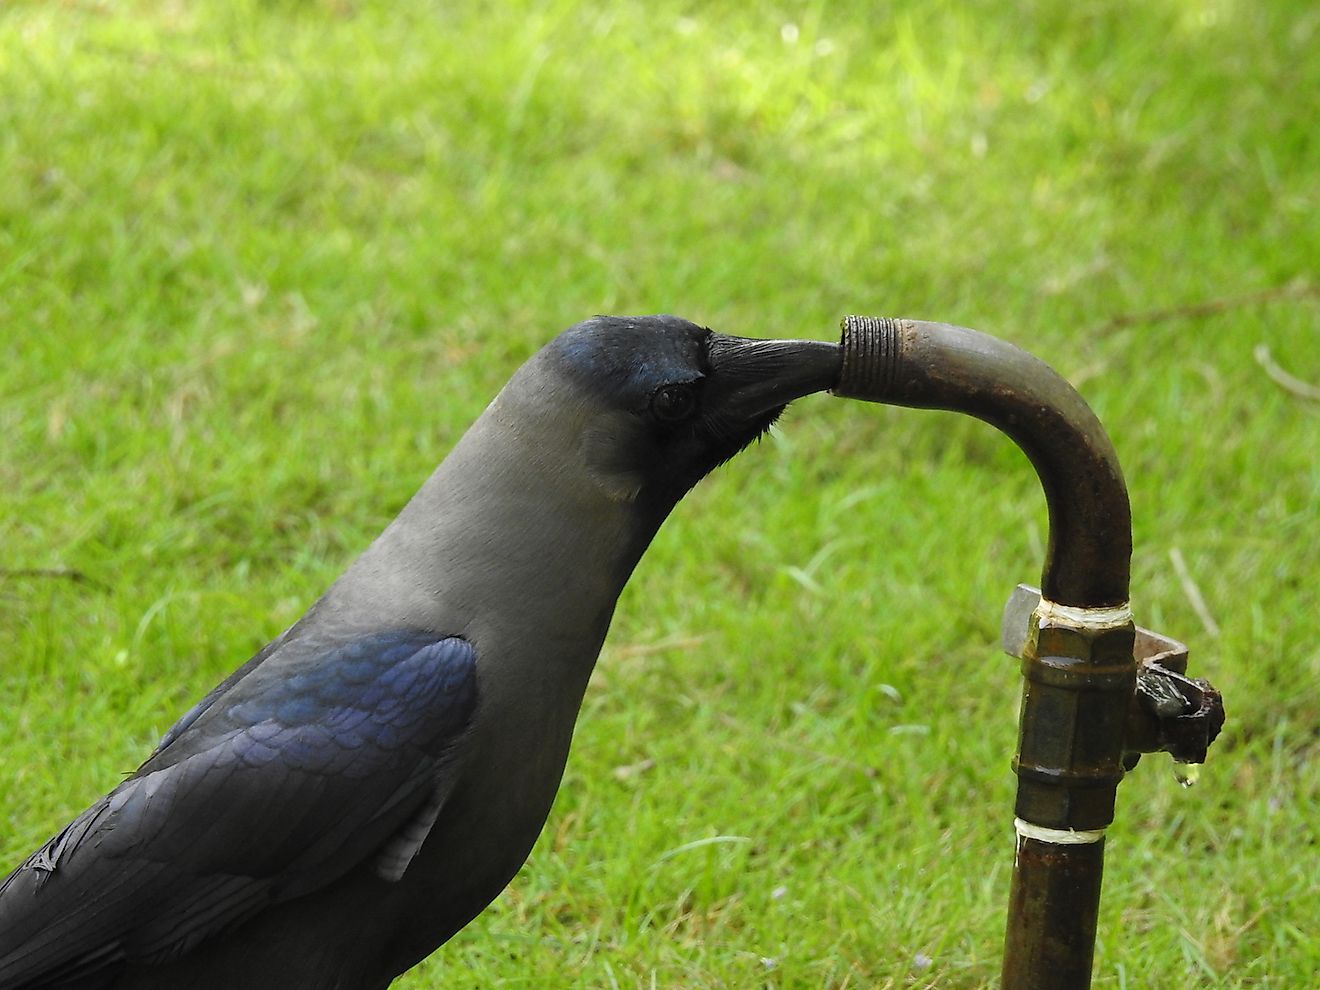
<point>1077,689</point>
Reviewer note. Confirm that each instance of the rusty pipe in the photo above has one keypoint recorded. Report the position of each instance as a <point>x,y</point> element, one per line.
<point>1078,665</point>
<point>938,366</point>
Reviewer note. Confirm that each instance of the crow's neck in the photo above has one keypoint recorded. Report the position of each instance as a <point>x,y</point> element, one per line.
<point>508,523</point>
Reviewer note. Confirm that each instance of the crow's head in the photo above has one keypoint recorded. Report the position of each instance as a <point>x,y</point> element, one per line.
<point>661,402</point>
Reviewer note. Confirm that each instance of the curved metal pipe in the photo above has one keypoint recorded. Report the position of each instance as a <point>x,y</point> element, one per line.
<point>1078,664</point>
<point>938,366</point>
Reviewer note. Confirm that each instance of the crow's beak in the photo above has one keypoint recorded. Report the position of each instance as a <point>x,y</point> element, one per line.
<point>751,377</point>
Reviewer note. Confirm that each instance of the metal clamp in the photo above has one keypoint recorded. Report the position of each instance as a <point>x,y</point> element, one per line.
<point>1170,712</point>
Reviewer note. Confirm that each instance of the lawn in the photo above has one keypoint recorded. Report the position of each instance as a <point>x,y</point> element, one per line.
<point>261,263</point>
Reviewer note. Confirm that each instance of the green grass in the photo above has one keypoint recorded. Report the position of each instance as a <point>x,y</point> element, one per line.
<point>260,263</point>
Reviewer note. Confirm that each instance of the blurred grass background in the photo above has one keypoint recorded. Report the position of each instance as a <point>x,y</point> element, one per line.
<point>261,262</point>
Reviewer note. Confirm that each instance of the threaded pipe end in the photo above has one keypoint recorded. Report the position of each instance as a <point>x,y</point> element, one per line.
<point>870,346</point>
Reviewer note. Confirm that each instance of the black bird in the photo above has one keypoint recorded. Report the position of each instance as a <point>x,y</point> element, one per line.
<point>365,785</point>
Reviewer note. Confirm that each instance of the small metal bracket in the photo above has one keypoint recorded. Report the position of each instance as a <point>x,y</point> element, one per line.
<point>1170,712</point>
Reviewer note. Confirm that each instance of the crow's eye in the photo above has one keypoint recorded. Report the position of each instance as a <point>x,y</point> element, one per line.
<point>672,403</point>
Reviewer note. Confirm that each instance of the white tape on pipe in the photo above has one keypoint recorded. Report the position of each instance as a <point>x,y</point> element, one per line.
<point>1058,836</point>
<point>1111,617</point>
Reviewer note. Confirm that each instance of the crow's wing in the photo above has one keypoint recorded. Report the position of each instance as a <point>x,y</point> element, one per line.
<point>318,759</point>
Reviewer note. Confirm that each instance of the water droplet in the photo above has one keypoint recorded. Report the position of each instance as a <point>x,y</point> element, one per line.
<point>1187,774</point>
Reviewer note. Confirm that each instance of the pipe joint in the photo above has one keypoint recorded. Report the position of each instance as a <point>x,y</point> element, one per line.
<point>1077,688</point>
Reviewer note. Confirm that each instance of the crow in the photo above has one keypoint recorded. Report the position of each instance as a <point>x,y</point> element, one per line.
<point>364,786</point>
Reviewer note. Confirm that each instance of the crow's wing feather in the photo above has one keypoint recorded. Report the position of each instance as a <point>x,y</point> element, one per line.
<point>221,689</point>
<point>304,768</point>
